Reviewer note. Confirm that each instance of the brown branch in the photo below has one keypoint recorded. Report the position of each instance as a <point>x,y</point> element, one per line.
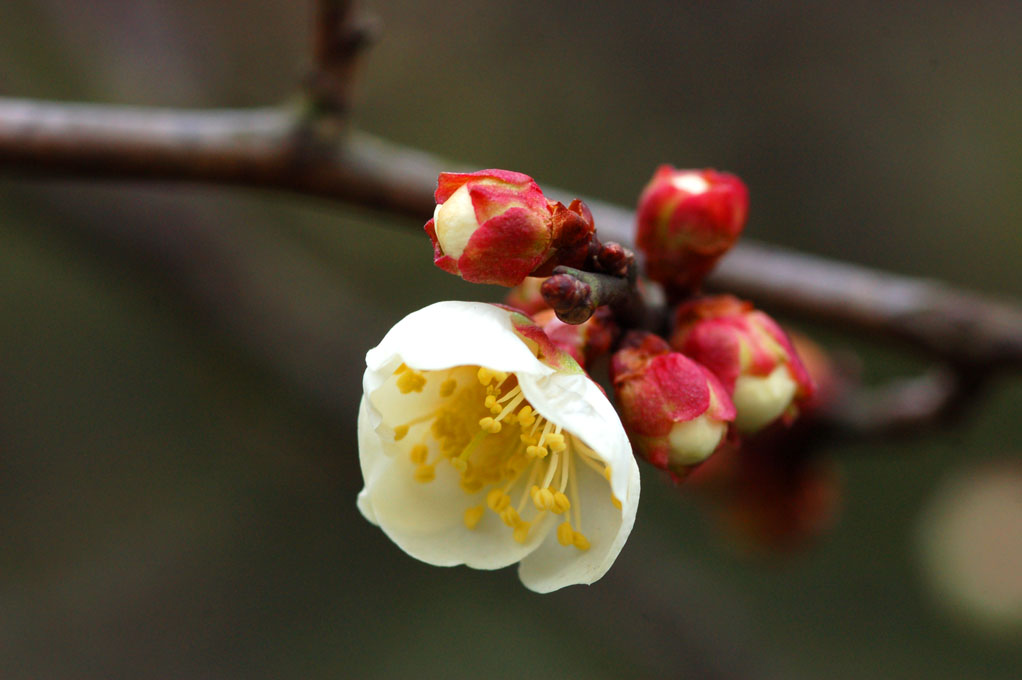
<point>338,37</point>
<point>260,148</point>
<point>936,398</point>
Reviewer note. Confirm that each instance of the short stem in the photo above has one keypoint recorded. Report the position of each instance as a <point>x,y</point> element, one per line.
<point>575,294</point>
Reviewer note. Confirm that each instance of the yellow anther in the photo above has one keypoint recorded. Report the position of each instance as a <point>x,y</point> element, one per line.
<point>471,485</point>
<point>424,473</point>
<point>510,516</point>
<point>411,381</point>
<point>499,376</point>
<point>490,425</point>
<point>399,432</point>
<point>528,438</point>
<point>459,463</point>
<point>448,387</point>
<point>580,541</point>
<point>615,502</point>
<point>521,532</point>
<point>485,375</point>
<point>472,516</point>
<point>418,454</point>
<point>565,534</point>
<point>556,442</point>
<point>490,402</point>
<point>400,369</point>
<point>543,499</point>
<point>526,416</point>
<point>497,500</point>
<point>561,503</point>
<point>534,452</point>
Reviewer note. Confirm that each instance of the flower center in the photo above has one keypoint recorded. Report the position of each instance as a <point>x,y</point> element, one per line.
<point>486,429</point>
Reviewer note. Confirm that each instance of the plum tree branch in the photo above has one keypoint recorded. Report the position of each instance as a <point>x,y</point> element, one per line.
<point>264,148</point>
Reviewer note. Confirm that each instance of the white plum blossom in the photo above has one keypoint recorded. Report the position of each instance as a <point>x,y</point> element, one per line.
<point>483,444</point>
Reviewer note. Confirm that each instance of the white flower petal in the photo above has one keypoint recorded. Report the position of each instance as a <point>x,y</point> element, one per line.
<point>577,404</point>
<point>427,520</point>
<point>369,450</point>
<point>448,334</point>
<point>552,566</point>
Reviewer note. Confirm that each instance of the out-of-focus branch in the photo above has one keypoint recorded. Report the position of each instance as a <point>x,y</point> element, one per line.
<point>338,37</point>
<point>938,397</point>
<point>259,148</point>
<point>271,148</point>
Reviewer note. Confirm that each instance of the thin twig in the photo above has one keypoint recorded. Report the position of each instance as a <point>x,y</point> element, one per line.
<point>338,37</point>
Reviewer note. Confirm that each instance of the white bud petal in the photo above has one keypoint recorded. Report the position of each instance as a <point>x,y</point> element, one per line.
<point>455,222</point>
<point>759,401</point>
<point>693,441</point>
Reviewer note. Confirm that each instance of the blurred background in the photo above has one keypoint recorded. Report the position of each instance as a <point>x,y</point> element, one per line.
<point>180,366</point>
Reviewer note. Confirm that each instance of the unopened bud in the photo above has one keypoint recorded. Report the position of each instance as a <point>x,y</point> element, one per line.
<point>749,353</point>
<point>686,220</point>
<point>675,411</point>
<point>495,226</point>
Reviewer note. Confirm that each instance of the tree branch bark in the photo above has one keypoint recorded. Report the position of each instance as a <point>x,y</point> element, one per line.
<point>262,148</point>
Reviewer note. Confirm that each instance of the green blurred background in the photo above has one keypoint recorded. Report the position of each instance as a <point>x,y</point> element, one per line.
<point>180,366</point>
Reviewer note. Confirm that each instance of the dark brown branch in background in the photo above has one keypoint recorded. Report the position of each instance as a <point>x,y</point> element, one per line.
<point>256,148</point>
<point>271,149</point>
<point>338,37</point>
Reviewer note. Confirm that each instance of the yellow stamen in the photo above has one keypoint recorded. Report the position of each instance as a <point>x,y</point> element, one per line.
<point>497,500</point>
<point>556,442</point>
<point>411,381</point>
<point>472,516</point>
<point>490,425</point>
<point>521,474</point>
<point>448,387</point>
<point>424,473</point>
<point>419,453</point>
<point>543,499</point>
<point>521,532</point>
<point>471,485</point>
<point>565,534</point>
<point>510,517</point>
<point>526,416</point>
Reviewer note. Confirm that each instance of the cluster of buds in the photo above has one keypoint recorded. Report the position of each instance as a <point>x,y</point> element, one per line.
<point>471,411</point>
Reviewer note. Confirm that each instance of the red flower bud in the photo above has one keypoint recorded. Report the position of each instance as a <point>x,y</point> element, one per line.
<point>675,411</point>
<point>687,219</point>
<point>751,355</point>
<point>495,226</point>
